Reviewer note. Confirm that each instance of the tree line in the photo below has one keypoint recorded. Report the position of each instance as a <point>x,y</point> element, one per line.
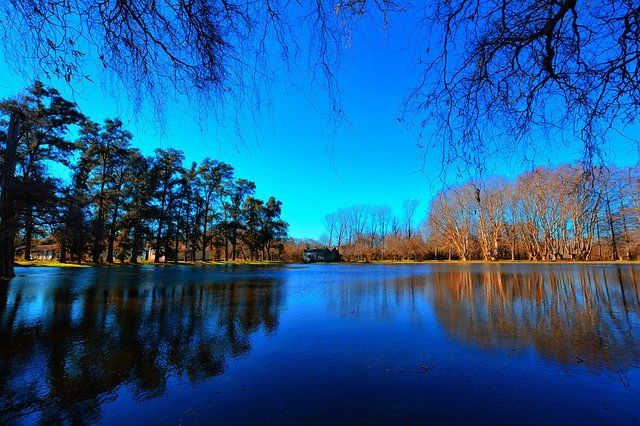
<point>364,232</point>
<point>565,212</point>
<point>549,213</point>
<point>118,204</point>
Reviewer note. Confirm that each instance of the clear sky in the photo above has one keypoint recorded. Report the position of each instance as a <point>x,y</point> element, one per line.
<point>297,155</point>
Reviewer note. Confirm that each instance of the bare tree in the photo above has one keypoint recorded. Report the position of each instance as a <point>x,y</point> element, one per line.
<point>450,219</point>
<point>541,215</point>
<point>331,226</point>
<point>359,215</point>
<point>213,52</point>
<point>408,211</point>
<point>632,187</point>
<point>582,207</point>
<point>497,76</point>
<point>380,223</point>
<point>491,216</point>
<point>509,76</point>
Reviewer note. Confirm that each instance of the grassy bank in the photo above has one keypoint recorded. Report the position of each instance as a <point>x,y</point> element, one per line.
<point>41,263</point>
<point>55,263</point>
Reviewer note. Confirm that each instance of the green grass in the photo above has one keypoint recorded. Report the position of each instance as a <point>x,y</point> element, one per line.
<point>37,262</point>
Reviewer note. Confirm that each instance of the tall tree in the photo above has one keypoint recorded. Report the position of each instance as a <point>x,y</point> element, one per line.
<point>491,216</point>
<point>216,178</point>
<point>450,218</point>
<point>239,191</point>
<point>253,219</point>
<point>165,175</point>
<point>105,152</point>
<point>8,223</point>
<point>138,195</point>
<point>44,138</point>
<point>409,208</point>
<point>37,129</point>
<point>274,228</point>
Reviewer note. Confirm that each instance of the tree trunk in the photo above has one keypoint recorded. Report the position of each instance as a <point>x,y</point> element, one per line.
<point>134,246</point>
<point>156,257</point>
<point>626,234</point>
<point>8,223</point>
<point>204,238</point>
<point>63,251</point>
<point>112,235</point>
<point>614,246</point>
<point>233,245</point>
<point>28,234</point>
<point>177,242</point>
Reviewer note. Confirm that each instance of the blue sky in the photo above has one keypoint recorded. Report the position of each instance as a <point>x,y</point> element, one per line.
<point>295,153</point>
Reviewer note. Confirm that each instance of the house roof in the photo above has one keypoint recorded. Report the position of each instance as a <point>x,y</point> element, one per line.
<point>315,250</point>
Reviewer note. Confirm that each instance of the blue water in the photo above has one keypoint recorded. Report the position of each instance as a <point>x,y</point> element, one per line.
<point>322,344</point>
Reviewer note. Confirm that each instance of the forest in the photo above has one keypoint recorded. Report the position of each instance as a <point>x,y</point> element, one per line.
<point>117,204</point>
<point>551,213</point>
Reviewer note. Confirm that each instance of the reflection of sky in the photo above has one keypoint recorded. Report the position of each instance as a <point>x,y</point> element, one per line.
<point>34,295</point>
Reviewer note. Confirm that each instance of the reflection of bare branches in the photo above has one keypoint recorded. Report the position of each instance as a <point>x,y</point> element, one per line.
<point>571,314</point>
<point>568,315</point>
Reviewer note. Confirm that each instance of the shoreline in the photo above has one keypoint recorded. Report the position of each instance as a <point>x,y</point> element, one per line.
<point>50,263</point>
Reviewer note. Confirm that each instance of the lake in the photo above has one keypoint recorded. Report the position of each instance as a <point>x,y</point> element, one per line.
<point>321,344</point>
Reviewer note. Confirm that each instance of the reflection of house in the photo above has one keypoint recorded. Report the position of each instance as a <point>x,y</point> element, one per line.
<point>321,255</point>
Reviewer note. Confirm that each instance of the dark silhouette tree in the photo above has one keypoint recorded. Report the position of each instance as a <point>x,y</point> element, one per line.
<point>105,150</point>
<point>37,131</point>
<point>8,222</point>
<point>239,191</point>
<point>253,225</point>
<point>43,138</point>
<point>274,229</point>
<point>504,78</point>
<point>216,177</point>
<point>165,176</point>
<point>138,194</point>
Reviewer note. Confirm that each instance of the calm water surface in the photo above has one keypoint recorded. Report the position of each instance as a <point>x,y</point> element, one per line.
<point>321,344</point>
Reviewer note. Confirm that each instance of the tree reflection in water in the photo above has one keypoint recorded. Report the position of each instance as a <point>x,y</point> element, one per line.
<point>71,341</point>
<point>567,312</point>
<point>582,315</point>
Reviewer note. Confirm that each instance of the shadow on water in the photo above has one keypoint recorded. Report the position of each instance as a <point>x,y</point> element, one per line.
<point>72,340</point>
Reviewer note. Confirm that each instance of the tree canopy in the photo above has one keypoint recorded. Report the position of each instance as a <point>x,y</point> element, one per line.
<point>502,73</point>
<point>496,77</point>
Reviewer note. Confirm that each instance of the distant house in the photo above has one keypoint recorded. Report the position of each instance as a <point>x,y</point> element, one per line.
<point>45,252</point>
<point>321,255</point>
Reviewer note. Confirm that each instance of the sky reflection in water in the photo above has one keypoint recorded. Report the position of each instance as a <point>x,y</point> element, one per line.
<point>322,344</point>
